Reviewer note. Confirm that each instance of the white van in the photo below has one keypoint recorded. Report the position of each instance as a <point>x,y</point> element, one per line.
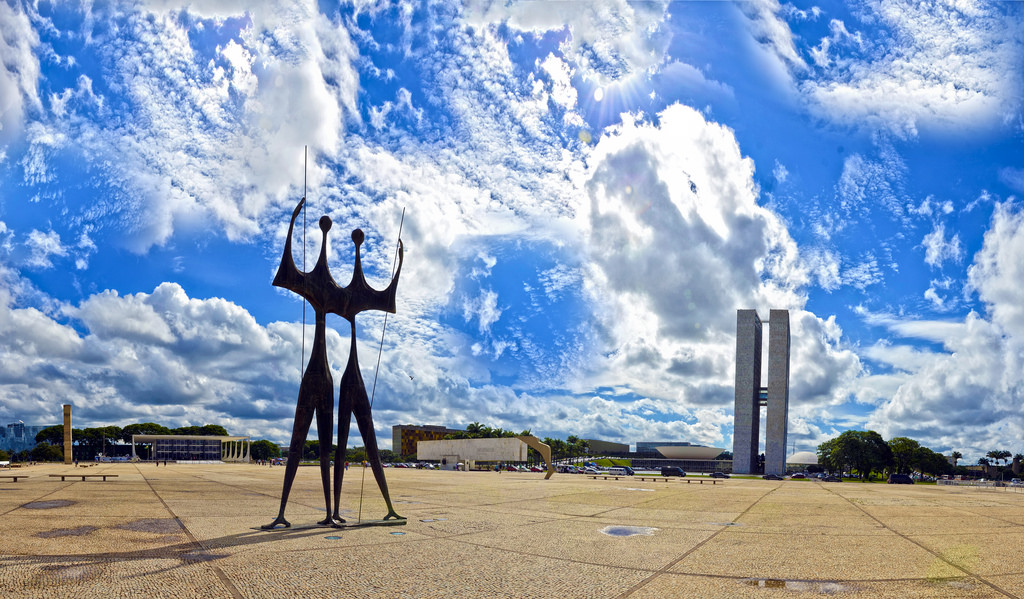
<point>620,471</point>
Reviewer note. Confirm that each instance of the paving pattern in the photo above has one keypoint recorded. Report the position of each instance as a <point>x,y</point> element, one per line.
<point>193,531</point>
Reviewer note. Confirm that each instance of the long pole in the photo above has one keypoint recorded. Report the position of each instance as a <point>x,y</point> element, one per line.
<point>302,356</point>
<point>373,392</point>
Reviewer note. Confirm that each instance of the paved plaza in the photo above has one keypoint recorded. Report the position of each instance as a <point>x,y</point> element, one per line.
<point>192,531</point>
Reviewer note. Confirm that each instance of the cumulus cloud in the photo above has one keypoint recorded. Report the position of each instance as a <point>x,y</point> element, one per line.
<point>160,357</point>
<point>19,71</point>
<point>677,243</point>
<point>210,130</point>
<point>937,249</point>
<point>42,247</point>
<point>608,40</point>
<point>903,65</point>
<point>967,396</point>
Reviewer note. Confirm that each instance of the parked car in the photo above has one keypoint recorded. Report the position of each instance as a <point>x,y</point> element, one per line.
<point>798,475</point>
<point>621,471</point>
<point>536,469</point>
<point>672,471</point>
<point>1015,482</point>
<point>900,479</point>
<point>719,475</point>
<point>832,479</point>
<point>772,477</point>
<point>590,470</point>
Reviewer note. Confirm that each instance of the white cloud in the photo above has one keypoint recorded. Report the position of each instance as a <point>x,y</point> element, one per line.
<point>677,242</point>
<point>215,135</point>
<point>946,65</point>
<point>19,71</point>
<point>1013,178</point>
<point>998,269</point>
<point>608,40</point>
<point>42,247</point>
<point>938,250</point>
<point>483,308</point>
<point>967,396</point>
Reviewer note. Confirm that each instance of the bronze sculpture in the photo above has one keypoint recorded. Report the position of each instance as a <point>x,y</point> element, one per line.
<point>316,391</point>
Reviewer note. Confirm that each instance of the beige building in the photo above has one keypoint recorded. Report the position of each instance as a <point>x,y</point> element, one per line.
<point>470,451</point>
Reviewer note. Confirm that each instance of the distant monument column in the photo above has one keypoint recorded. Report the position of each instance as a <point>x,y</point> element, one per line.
<point>67,434</point>
<point>750,395</point>
<point>747,421</point>
<point>778,392</point>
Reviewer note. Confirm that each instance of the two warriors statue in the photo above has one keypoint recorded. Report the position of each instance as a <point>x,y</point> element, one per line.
<point>316,391</point>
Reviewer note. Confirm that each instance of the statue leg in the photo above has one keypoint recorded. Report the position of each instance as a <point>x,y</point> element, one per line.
<point>365,421</point>
<point>303,418</point>
<point>325,430</point>
<point>344,422</point>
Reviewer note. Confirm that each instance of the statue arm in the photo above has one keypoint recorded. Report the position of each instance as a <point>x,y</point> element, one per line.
<point>288,276</point>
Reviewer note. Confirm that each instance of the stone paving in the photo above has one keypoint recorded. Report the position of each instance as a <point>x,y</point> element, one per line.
<point>193,531</point>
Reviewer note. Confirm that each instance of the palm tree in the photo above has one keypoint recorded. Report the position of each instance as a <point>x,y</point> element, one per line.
<point>956,455</point>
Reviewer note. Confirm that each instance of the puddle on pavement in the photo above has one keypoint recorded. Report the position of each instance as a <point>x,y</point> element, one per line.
<point>66,532</point>
<point>628,531</point>
<point>807,586</point>
<point>725,524</point>
<point>48,505</point>
<point>160,526</point>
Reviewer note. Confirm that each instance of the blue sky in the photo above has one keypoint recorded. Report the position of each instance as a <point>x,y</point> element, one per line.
<point>591,190</point>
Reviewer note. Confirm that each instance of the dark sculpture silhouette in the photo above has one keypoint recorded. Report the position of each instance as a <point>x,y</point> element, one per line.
<point>316,391</point>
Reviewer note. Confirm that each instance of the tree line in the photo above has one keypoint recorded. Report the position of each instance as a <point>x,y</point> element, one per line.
<point>101,440</point>
<point>865,452</point>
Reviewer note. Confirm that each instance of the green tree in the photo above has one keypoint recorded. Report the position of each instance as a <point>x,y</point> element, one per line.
<point>828,456</point>
<point>213,430</point>
<point>863,451</point>
<point>933,463</point>
<point>44,452</point>
<point>389,457</point>
<point>4,456</point>
<point>53,435</point>
<point>264,450</point>
<point>356,454</point>
<point>905,454</point>
<point>956,455</point>
<point>143,428</point>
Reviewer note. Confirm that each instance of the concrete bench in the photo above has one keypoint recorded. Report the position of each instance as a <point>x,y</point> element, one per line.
<point>14,476</point>
<point>653,479</point>
<point>595,477</point>
<point>84,476</point>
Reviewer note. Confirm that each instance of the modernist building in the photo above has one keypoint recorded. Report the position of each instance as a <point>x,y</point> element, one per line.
<point>195,448</point>
<point>599,447</point>
<point>404,437</point>
<point>751,395</point>
<point>17,436</point>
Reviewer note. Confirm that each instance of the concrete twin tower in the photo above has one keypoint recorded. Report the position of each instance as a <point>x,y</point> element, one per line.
<point>750,395</point>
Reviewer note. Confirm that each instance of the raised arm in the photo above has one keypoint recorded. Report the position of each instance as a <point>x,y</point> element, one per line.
<point>288,276</point>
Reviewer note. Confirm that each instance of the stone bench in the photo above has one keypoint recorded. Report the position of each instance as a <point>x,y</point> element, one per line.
<point>84,476</point>
<point>595,477</point>
<point>14,476</point>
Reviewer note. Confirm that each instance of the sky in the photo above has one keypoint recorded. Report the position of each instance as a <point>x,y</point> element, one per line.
<point>590,191</point>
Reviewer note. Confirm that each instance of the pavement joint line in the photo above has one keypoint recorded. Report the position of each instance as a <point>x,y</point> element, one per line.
<point>937,555</point>
<point>666,569</point>
<point>228,585</point>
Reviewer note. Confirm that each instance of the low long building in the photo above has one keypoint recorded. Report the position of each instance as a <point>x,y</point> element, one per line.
<point>194,448</point>
<point>453,451</point>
